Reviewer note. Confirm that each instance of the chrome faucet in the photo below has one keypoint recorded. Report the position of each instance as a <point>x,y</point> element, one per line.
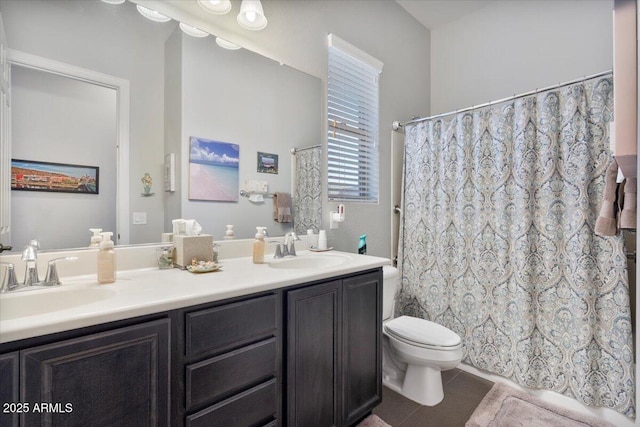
<point>52,278</point>
<point>31,279</point>
<point>30,257</point>
<point>288,247</point>
<point>9,282</point>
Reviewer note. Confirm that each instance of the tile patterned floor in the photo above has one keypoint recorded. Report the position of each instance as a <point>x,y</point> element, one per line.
<point>462,394</point>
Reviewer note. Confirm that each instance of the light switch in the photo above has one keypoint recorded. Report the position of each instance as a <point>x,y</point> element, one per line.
<point>139,218</point>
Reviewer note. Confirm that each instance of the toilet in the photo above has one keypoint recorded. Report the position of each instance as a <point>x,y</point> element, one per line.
<point>415,351</point>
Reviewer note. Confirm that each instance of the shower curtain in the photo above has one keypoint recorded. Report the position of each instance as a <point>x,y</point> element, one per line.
<point>307,209</point>
<point>497,242</point>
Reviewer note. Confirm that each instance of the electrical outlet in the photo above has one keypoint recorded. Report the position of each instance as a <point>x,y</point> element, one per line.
<point>139,218</point>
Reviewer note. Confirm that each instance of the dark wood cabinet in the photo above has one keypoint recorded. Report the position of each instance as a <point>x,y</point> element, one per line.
<point>119,377</point>
<point>9,387</point>
<point>334,351</point>
<point>313,347</point>
<point>362,346</point>
<point>232,363</point>
<point>219,363</point>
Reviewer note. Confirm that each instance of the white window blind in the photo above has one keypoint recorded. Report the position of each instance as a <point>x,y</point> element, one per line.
<point>352,112</point>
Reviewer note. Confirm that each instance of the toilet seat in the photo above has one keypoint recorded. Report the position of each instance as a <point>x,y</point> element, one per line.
<point>422,333</point>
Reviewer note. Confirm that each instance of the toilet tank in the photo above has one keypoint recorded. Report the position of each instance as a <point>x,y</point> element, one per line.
<point>390,279</point>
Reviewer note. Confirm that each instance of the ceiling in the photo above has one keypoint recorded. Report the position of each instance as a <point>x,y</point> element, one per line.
<point>435,13</point>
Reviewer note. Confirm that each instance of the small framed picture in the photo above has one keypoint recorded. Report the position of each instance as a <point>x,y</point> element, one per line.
<point>31,175</point>
<point>267,163</point>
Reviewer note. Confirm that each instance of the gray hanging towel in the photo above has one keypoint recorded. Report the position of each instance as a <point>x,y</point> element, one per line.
<point>282,207</point>
<point>628,214</point>
<point>606,222</point>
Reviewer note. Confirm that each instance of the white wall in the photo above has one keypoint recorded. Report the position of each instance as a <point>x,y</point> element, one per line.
<point>241,98</point>
<point>61,120</point>
<point>511,47</point>
<point>97,36</point>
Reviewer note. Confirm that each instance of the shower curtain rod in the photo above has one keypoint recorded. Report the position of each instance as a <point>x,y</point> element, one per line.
<point>397,125</point>
<point>294,150</point>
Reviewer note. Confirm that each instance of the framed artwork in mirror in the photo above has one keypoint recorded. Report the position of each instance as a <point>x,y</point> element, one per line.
<point>213,170</point>
<point>31,175</point>
<point>267,163</point>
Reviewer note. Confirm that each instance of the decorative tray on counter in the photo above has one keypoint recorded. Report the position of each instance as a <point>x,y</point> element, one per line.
<point>203,267</point>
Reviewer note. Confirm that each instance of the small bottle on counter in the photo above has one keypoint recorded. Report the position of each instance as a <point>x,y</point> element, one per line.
<point>106,260</point>
<point>362,245</point>
<point>96,238</point>
<point>258,246</point>
<point>216,252</point>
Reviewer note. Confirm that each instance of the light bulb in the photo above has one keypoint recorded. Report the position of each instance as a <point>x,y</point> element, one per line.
<point>192,31</point>
<point>251,16</point>
<point>152,14</point>
<point>217,7</point>
<point>226,44</point>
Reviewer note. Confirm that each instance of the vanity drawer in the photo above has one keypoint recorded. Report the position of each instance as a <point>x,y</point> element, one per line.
<point>230,325</point>
<point>254,407</point>
<point>215,378</point>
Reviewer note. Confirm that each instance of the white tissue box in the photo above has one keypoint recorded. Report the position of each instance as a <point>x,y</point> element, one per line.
<point>189,247</point>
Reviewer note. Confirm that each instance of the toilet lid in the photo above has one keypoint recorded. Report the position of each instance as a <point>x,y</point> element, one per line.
<point>421,331</point>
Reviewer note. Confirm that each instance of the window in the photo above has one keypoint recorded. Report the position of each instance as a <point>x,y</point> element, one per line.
<point>352,112</point>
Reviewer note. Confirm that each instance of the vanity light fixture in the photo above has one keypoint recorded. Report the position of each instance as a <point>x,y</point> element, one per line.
<point>113,1</point>
<point>217,7</point>
<point>251,16</point>
<point>192,31</point>
<point>226,44</point>
<point>152,14</point>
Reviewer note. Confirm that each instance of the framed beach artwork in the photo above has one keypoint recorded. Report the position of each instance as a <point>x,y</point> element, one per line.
<point>267,163</point>
<point>213,170</point>
<point>31,175</point>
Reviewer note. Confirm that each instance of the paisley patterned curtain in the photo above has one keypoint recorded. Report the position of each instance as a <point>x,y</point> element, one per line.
<point>307,209</point>
<point>498,244</point>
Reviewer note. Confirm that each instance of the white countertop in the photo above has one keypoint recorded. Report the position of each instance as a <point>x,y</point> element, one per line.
<point>147,291</point>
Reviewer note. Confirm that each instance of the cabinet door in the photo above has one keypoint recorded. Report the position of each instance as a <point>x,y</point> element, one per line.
<point>119,377</point>
<point>362,345</point>
<point>313,319</point>
<point>9,390</point>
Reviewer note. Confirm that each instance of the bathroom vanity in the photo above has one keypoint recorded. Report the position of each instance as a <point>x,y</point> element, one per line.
<point>253,345</point>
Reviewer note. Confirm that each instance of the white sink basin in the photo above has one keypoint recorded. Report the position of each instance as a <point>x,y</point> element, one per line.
<point>37,301</point>
<point>309,261</point>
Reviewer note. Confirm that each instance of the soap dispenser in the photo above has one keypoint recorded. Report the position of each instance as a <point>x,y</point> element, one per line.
<point>258,245</point>
<point>106,260</point>
<point>96,238</point>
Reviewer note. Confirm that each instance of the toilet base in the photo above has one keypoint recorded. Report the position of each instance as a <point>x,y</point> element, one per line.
<point>423,384</point>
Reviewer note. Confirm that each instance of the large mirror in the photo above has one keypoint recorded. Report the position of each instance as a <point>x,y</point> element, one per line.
<point>180,87</point>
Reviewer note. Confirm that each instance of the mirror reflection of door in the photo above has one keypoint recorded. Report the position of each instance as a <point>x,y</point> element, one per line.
<point>63,120</point>
<point>5,143</point>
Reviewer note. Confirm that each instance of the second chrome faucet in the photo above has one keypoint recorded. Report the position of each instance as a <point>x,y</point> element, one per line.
<point>288,247</point>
